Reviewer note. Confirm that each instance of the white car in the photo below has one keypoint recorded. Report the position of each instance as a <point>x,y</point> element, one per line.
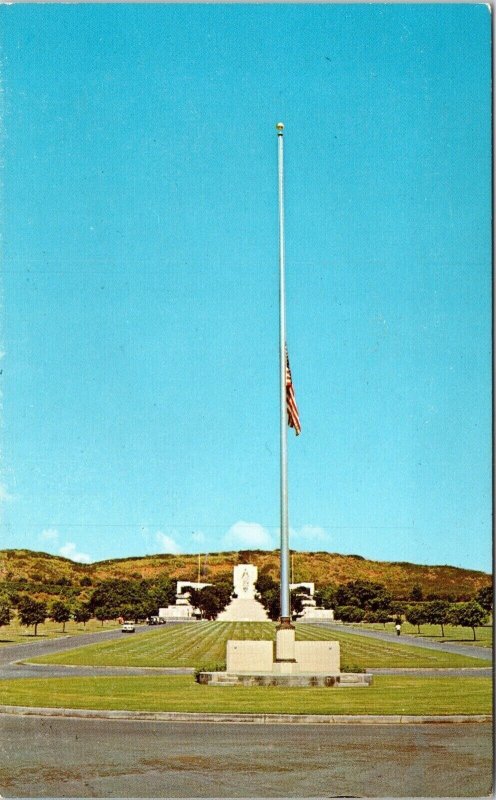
<point>128,627</point>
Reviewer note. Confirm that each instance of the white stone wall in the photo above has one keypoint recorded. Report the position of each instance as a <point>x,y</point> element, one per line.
<point>318,657</point>
<point>176,612</point>
<point>249,656</point>
<point>323,614</point>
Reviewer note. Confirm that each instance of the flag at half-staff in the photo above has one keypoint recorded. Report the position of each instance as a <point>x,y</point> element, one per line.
<point>292,408</point>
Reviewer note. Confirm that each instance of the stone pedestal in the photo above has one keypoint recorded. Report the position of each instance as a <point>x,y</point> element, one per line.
<point>285,657</point>
<point>285,643</point>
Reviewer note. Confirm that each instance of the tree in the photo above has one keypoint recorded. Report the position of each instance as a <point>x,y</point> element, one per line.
<point>5,610</point>
<point>485,598</point>
<point>211,600</point>
<point>415,615</point>
<point>116,594</point>
<point>269,593</point>
<point>60,612</point>
<point>105,612</point>
<point>381,615</point>
<point>161,593</point>
<point>381,602</point>
<point>82,613</point>
<point>32,612</point>
<point>468,615</point>
<point>265,583</point>
<point>363,594</point>
<point>437,612</point>
<point>325,597</point>
<point>417,592</point>
<point>349,613</point>
<point>396,609</point>
<point>296,600</point>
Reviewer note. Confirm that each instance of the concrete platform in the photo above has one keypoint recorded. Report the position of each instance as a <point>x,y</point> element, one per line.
<point>340,680</point>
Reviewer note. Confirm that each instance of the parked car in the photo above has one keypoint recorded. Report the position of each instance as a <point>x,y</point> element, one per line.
<point>128,627</point>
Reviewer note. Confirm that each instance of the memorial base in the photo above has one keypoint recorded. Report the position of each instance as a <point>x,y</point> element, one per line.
<point>284,662</point>
<point>341,680</point>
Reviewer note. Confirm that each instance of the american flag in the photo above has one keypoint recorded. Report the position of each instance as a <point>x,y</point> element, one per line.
<point>292,408</point>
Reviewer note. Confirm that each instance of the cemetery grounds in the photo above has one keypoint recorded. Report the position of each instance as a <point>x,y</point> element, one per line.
<point>202,646</point>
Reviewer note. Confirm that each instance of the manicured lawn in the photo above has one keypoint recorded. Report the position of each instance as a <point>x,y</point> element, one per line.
<point>203,645</point>
<point>17,634</point>
<point>387,695</point>
<point>452,633</point>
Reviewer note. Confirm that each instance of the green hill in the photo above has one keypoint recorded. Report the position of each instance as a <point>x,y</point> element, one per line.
<point>43,573</point>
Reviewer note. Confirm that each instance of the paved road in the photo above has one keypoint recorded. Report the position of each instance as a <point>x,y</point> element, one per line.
<point>484,653</point>
<point>41,647</point>
<point>10,671</point>
<point>13,671</point>
<point>14,653</point>
<point>101,758</point>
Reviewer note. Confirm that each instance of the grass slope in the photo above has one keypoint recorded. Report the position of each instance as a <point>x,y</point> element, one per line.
<point>204,645</point>
<point>388,695</point>
<point>320,567</point>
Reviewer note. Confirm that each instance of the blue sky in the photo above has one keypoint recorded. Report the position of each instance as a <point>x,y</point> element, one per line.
<point>139,279</point>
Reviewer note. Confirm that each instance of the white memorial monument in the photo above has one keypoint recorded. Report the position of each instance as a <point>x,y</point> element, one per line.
<point>244,607</point>
<point>310,611</point>
<point>182,608</point>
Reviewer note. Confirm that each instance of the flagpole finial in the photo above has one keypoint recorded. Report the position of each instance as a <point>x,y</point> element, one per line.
<point>279,128</point>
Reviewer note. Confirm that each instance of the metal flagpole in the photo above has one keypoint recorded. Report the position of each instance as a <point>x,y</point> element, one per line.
<point>285,609</point>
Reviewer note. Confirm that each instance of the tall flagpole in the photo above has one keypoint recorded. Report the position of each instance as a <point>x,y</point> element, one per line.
<point>285,608</point>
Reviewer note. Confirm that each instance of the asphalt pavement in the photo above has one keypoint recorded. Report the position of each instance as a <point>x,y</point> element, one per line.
<point>41,647</point>
<point>484,653</point>
<point>11,655</point>
<point>58,757</point>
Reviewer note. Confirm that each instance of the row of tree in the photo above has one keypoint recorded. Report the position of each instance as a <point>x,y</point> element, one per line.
<point>137,599</point>
<point>33,612</point>
<point>355,601</point>
<point>433,612</point>
<point>113,599</point>
<point>440,612</point>
<point>373,596</point>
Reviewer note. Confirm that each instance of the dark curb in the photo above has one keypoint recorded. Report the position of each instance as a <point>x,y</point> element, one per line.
<point>258,719</point>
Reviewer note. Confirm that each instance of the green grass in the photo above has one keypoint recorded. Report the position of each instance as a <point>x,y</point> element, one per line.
<point>387,695</point>
<point>452,633</point>
<point>17,634</point>
<point>204,645</point>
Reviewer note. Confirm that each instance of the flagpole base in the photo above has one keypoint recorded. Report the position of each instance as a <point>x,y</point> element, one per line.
<point>284,623</point>
<point>285,642</point>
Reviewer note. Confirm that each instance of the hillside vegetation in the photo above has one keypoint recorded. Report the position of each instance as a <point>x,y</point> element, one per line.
<point>45,574</point>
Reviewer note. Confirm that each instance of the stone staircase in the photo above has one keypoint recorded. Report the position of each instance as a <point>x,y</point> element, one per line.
<point>241,610</point>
